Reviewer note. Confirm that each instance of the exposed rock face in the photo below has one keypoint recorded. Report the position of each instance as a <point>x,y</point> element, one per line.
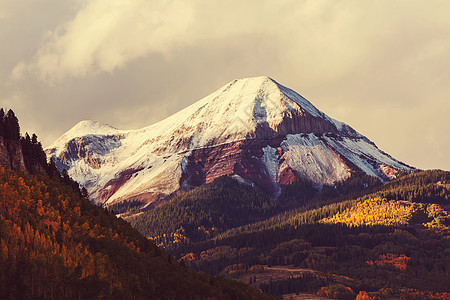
<point>11,155</point>
<point>388,171</point>
<point>5,160</point>
<point>242,158</point>
<point>114,184</point>
<point>78,147</point>
<point>16,156</point>
<point>255,129</point>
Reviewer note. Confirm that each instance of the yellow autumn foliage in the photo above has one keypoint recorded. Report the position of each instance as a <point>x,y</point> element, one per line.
<point>379,211</point>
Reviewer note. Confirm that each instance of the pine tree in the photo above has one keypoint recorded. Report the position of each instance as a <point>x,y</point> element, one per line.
<point>12,128</point>
<point>34,139</point>
<point>2,122</point>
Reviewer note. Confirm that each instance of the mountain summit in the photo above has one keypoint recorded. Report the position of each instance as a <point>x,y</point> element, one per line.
<point>254,129</point>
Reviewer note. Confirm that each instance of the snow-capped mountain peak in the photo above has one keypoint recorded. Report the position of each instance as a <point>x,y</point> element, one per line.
<point>83,128</point>
<point>242,109</point>
<point>254,128</point>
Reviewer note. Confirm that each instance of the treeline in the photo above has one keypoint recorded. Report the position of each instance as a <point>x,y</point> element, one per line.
<point>302,191</point>
<point>420,186</point>
<point>126,207</point>
<point>204,212</point>
<point>396,190</point>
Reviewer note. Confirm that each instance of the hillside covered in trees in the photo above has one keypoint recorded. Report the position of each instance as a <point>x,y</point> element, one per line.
<point>55,244</point>
<point>205,211</point>
<point>388,241</point>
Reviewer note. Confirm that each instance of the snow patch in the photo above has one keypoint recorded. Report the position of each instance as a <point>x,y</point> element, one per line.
<point>310,157</point>
<point>242,180</point>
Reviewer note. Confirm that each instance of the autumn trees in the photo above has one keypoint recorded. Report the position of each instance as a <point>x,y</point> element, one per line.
<point>56,244</point>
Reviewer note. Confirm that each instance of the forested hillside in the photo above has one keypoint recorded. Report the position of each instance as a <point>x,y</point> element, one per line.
<point>225,203</point>
<point>388,241</point>
<point>204,212</point>
<point>56,244</point>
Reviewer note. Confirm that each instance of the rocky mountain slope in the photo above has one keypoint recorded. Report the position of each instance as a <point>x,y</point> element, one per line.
<point>259,131</point>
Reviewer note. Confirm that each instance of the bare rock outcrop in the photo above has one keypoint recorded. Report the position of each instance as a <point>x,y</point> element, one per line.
<point>11,155</point>
<point>5,160</point>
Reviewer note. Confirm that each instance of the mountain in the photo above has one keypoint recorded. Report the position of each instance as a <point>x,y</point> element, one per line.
<point>257,130</point>
<point>56,244</point>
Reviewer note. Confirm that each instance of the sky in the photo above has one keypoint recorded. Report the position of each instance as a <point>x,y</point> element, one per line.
<point>383,67</point>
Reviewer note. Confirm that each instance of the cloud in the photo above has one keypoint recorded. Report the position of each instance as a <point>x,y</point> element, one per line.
<point>105,34</point>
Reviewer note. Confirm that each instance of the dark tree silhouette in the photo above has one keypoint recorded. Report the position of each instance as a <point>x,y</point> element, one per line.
<point>12,128</point>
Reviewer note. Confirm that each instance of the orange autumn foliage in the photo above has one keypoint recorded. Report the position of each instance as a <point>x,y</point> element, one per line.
<point>398,261</point>
<point>55,244</point>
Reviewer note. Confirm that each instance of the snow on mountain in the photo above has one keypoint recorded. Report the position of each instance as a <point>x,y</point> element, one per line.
<point>83,128</point>
<point>253,128</point>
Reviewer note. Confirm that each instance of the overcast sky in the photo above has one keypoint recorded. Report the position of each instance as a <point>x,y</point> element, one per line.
<point>383,67</point>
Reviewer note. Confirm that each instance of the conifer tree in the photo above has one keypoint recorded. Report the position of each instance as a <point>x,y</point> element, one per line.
<point>52,170</point>
<point>12,128</point>
<point>34,139</point>
<point>2,122</point>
